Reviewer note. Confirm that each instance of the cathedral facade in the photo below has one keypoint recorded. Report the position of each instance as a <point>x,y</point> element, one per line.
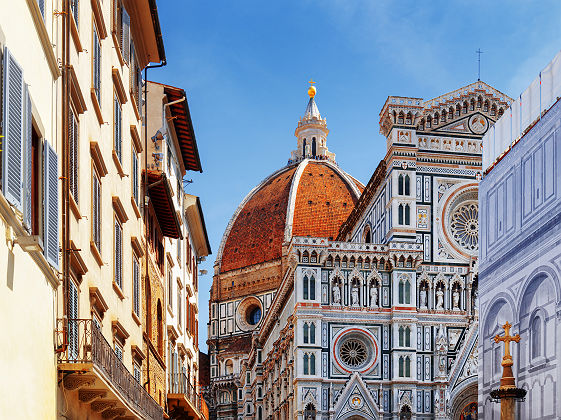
<point>378,320</point>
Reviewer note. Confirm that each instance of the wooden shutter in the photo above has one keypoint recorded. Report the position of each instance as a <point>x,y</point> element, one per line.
<point>135,176</point>
<point>72,323</point>
<point>73,154</point>
<point>12,144</point>
<point>96,210</point>
<point>41,4</point>
<point>136,287</point>
<point>125,35</point>
<point>117,127</point>
<point>50,212</point>
<point>74,7</point>
<point>27,205</point>
<point>118,254</point>
<point>96,65</point>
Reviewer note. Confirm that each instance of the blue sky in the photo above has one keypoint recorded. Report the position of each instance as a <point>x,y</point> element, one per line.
<point>245,67</point>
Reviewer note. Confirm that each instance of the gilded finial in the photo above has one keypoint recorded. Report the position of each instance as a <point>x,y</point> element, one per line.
<point>312,89</point>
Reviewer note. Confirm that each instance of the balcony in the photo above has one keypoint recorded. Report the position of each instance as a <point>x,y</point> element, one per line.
<point>184,398</point>
<point>102,380</point>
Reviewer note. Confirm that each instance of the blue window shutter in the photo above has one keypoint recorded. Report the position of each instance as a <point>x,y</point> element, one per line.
<point>28,161</point>
<point>50,213</point>
<point>12,144</point>
<point>41,4</point>
<point>73,332</point>
<point>125,35</point>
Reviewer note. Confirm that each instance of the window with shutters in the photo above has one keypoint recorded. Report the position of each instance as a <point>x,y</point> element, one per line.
<point>74,9</point>
<point>51,206</point>
<point>118,350</point>
<point>136,285</point>
<point>96,65</point>
<point>96,210</point>
<point>179,314</point>
<point>134,177</point>
<point>73,350</point>
<point>170,290</point>
<point>73,154</point>
<point>125,35</point>
<point>117,128</point>
<point>137,373</point>
<point>35,199</point>
<point>118,254</point>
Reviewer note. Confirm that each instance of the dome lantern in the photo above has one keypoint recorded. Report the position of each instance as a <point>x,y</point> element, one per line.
<point>311,133</point>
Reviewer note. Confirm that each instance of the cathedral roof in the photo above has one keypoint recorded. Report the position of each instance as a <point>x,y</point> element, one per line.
<point>310,198</point>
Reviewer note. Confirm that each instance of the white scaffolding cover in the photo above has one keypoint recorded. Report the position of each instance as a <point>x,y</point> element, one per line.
<point>542,93</point>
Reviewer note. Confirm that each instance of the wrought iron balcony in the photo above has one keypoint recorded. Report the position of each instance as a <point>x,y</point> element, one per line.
<point>82,348</point>
<point>183,396</point>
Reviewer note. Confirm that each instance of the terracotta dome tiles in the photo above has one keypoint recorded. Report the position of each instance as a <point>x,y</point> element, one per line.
<point>323,202</point>
<point>258,231</point>
<point>324,199</point>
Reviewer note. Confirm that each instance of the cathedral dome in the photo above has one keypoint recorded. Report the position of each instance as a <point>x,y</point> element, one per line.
<point>308,198</point>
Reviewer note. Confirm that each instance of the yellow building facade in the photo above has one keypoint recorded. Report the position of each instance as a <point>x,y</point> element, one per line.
<point>84,339</point>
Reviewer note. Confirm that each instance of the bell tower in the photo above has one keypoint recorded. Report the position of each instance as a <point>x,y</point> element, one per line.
<point>312,133</point>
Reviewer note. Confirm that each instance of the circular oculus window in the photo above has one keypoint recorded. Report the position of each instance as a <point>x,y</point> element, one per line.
<point>355,350</point>
<point>249,313</point>
<point>462,227</point>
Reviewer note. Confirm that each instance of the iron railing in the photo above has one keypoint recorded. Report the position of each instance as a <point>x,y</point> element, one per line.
<point>80,341</point>
<point>179,384</point>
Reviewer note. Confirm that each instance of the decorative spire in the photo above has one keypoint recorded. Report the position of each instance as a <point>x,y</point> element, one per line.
<point>312,133</point>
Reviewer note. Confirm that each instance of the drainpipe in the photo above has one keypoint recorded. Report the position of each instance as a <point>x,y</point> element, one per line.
<point>145,188</point>
<point>65,161</point>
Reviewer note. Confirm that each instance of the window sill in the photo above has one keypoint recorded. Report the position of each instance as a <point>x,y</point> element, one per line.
<point>118,290</point>
<point>118,164</point>
<point>135,208</point>
<point>96,254</point>
<point>136,319</point>
<point>74,207</point>
<point>96,106</point>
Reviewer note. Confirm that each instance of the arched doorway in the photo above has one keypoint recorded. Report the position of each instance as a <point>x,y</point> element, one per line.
<point>405,413</point>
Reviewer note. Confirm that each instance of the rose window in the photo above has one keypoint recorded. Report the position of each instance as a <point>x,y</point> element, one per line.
<point>353,352</point>
<point>464,226</point>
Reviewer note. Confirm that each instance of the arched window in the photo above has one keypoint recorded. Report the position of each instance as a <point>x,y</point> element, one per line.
<point>306,286</point>
<point>400,184</point>
<point>407,292</point>
<point>367,235</point>
<point>310,412</point>
<point>407,367</point>
<point>313,146</point>
<point>259,392</point>
<point>259,413</point>
<point>304,148</point>
<point>401,332</point>
<point>407,185</point>
<point>400,214</point>
<point>536,334</point>
<point>312,288</point>
<point>407,214</point>
<point>306,333</point>
<point>313,364</point>
<point>313,333</point>
<point>405,413</point>
<point>400,291</point>
<point>229,367</point>
<point>401,366</point>
<point>407,337</point>
<point>306,364</point>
